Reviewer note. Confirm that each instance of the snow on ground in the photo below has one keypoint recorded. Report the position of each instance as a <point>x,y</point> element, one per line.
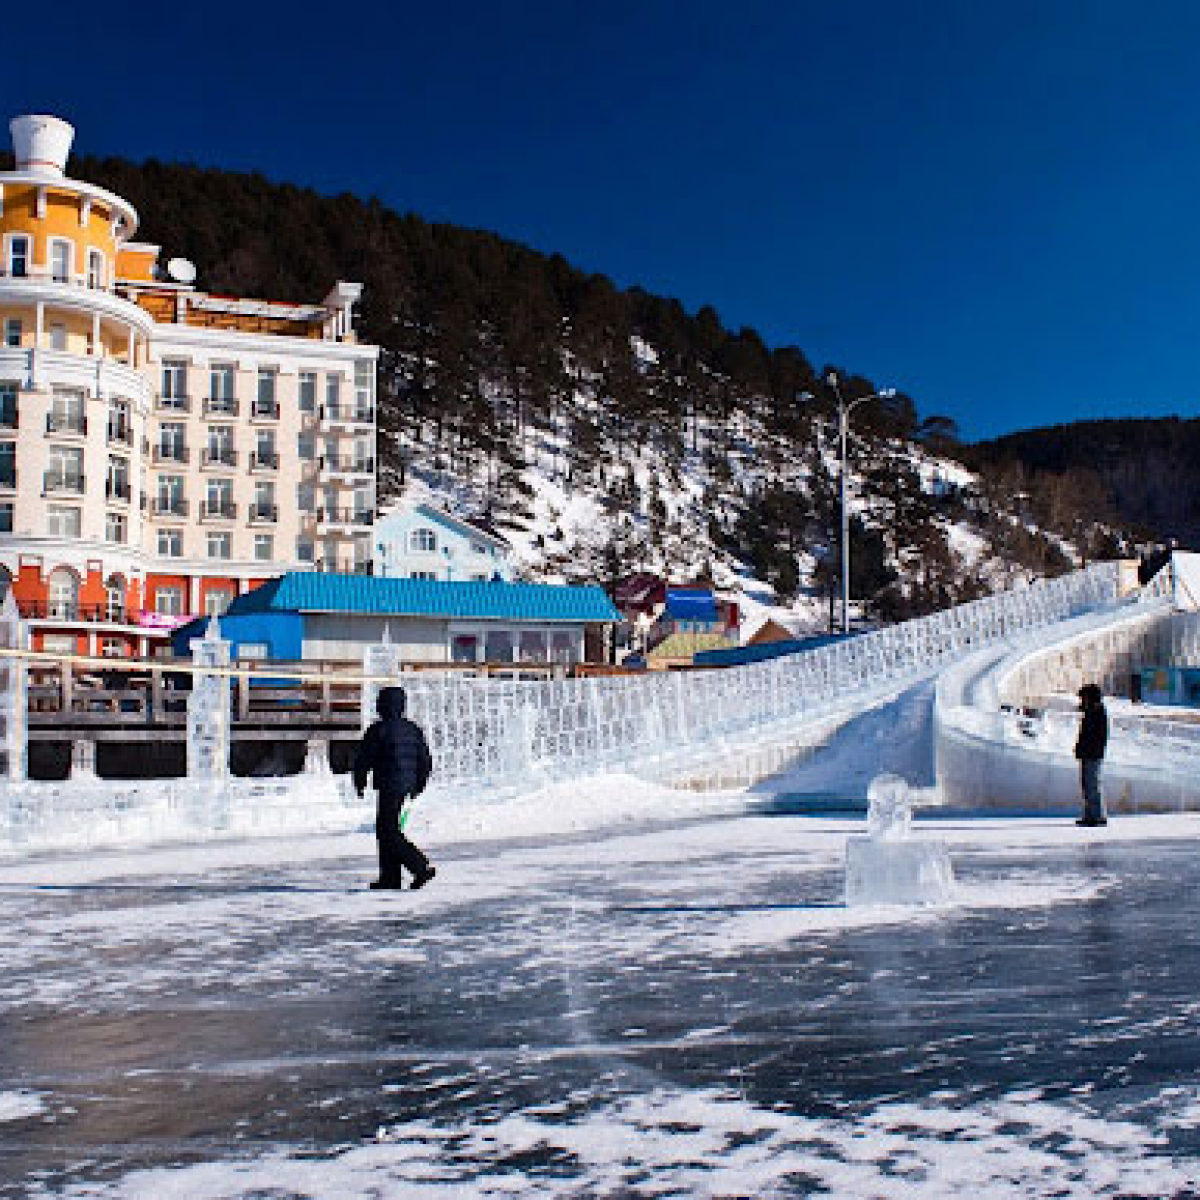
<point>20,1106</point>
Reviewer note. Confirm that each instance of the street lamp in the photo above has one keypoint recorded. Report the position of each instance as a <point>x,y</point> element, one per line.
<point>844,411</point>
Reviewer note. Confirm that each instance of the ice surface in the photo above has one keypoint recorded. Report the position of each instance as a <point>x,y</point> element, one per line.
<point>674,1008</point>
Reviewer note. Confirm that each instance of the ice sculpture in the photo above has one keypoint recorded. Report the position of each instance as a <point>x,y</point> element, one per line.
<point>13,679</point>
<point>381,666</point>
<point>208,709</point>
<point>889,865</point>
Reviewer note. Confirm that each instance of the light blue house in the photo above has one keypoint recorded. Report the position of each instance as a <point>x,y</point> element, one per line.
<point>420,541</point>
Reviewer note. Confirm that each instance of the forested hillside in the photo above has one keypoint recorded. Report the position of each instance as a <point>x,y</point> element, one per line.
<point>1138,473</point>
<point>607,430</point>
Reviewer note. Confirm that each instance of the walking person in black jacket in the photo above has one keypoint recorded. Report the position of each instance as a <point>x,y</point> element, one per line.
<point>1089,749</point>
<point>395,751</point>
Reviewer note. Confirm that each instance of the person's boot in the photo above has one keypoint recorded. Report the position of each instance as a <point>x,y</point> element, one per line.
<point>422,878</point>
<point>383,884</point>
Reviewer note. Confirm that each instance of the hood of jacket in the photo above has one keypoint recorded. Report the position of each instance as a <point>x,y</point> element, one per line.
<point>390,704</point>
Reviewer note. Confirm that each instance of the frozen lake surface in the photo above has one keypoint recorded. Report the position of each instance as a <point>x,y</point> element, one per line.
<point>652,1009</point>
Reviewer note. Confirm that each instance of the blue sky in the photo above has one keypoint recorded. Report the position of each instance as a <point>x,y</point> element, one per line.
<point>993,206</point>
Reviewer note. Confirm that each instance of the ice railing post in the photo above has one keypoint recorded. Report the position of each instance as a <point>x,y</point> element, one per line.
<point>13,693</point>
<point>381,666</point>
<point>208,710</point>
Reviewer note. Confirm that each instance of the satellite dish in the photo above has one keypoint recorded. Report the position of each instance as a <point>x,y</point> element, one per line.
<point>181,270</point>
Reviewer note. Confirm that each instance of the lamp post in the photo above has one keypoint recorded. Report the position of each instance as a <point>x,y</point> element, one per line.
<point>844,411</point>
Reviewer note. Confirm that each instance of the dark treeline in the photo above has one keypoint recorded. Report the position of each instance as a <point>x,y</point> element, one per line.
<point>1139,474</point>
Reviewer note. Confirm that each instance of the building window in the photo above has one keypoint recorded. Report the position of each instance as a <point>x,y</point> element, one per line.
<point>114,599</point>
<point>254,651</point>
<point>8,464</point>
<point>220,382</point>
<point>264,547</point>
<point>217,601</point>
<point>306,446</point>
<point>168,601</point>
<point>219,545</point>
<point>8,405</point>
<point>18,255</point>
<point>498,646</point>
<point>115,527</point>
<point>60,260</point>
<point>95,273</point>
<point>63,594</point>
<point>306,550</point>
<point>117,486</point>
<point>6,516</point>
<point>306,497</point>
<point>308,392</point>
<point>12,332</point>
<point>174,382</point>
<point>423,575</point>
<point>171,441</point>
<point>112,647</point>
<point>423,541</point>
<point>264,400</point>
<point>58,336</point>
<point>333,392</point>
<point>364,388</point>
<point>62,521</point>
<point>464,647</point>
<point>170,543</point>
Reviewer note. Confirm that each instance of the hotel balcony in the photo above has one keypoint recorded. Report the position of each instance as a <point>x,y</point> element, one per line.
<point>220,406</point>
<point>66,423</point>
<point>264,512</point>
<point>116,489</point>
<point>171,454</point>
<point>218,511</point>
<point>218,456</point>
<point>264,462</point>
<point>59,482</point>
<point>173,404</point>
<point>168,507</point>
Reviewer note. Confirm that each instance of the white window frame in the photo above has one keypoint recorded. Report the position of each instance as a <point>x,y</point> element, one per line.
<point>118,524</point>
<point>170,543</point>
<point>168,600</point>
<point>423,541</point>
<point>174,379</point>
<point>218,540</point>
<point>264,547</point>
<point>10,254</point>
<point>57,245</point>
<point>217,601</point>
<point>97,269</point>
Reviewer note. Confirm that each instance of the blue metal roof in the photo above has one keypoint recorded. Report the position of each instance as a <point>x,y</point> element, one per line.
<point>312,591</point>
<point>691,604</point>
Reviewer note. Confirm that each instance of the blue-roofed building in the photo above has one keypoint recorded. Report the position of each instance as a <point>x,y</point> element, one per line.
<point>331,618</point>
<point>421,541</point>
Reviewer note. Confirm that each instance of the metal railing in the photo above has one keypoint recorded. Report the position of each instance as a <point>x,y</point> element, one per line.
<point>64,481</point>
<point>218,510</point>
<point>218,456</point>
<point>66,423</point>
<point>220,406</point>
<point>264,461</point>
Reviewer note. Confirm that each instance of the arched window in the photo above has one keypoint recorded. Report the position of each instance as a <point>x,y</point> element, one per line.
<point>114,599</point>
<point>63,594</point>
<point>423,541</point>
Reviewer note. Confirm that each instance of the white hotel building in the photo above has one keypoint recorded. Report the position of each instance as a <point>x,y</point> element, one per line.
<point>162,449</point>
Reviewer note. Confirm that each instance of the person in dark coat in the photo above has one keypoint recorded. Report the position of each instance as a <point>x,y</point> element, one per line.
<point>394,750</point>
<point>1089,749</point>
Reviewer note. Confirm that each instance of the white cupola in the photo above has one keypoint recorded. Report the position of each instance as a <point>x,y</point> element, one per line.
<point>41,144</point>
